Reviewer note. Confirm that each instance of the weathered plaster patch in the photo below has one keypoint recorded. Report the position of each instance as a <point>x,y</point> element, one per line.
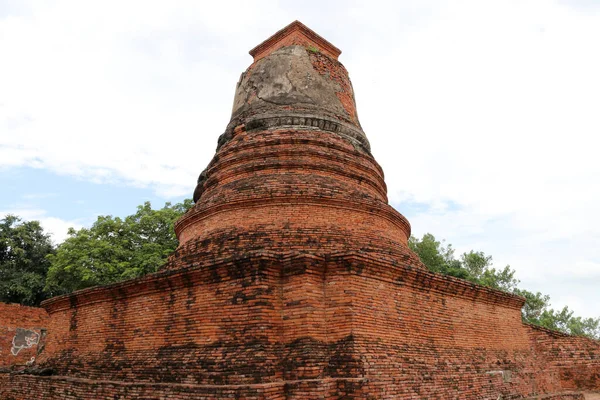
<point>287,78</point>
<point>24,339</point>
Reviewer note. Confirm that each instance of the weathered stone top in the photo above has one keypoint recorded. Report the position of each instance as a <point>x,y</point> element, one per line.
<point>296,81</point>
<point>295,33</point>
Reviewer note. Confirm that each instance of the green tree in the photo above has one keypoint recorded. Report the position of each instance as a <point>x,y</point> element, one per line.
<point>535,304</point>
<point>537,311</point>
<point>23,263</point>
<point>476,262</point>
<point>589,327</point>
<point>437,257</point>
<point>474,266</point>
<point>501,279</point>
<point>114,249</point>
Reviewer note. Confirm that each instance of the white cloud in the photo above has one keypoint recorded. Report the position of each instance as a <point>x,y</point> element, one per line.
<point>137,95</point>
<point>485,112</point>
<point>56,227</point>
<point>38,196</point>
<point>492,108</point>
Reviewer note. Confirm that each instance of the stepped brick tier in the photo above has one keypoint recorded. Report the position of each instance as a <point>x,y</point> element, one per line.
<point>293,279</point>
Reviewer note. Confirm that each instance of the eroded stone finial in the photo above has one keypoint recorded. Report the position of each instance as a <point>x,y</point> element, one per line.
<point>298,34</point>
<point>296,82</point>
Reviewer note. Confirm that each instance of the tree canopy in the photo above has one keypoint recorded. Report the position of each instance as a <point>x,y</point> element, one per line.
<point>477,267</point>
<point>24,248</point>
<point>115,249</point>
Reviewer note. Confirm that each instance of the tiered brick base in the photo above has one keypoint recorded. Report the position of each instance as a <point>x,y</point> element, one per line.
<point>300,327</point>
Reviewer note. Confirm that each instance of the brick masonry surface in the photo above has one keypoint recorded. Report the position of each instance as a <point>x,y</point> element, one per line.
<point>293,279</point>
<point>22,331</point>
<point>301,327</point>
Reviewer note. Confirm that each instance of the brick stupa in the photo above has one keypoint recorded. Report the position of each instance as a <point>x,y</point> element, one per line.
<point>293,279</point>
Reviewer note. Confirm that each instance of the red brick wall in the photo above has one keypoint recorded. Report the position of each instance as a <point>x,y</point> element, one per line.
<point>237,322</point>
<point>20,333</point>
<point>24,387</point>
<point>574,361</point>
<point>429,339</point>
<point>299,327</point>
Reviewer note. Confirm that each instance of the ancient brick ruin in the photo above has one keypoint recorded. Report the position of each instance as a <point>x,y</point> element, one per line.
<point>293,280</point>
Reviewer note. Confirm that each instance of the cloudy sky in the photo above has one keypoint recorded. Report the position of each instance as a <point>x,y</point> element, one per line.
<point>485,115</point>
